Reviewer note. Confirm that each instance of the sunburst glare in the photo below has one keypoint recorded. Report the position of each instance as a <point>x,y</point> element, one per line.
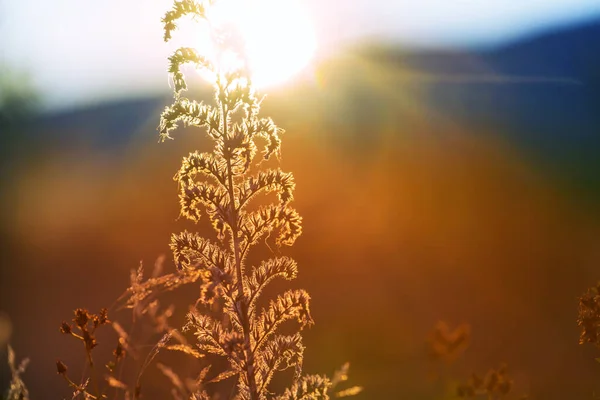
<point>273,39</point>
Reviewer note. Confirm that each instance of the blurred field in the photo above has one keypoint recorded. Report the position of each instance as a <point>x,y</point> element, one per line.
<point>411,215</point>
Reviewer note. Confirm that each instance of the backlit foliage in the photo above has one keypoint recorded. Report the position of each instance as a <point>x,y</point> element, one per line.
<point>220,185</point>
<point>231,186</point>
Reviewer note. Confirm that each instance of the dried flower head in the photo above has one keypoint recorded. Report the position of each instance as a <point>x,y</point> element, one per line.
<point>66,328</point>
<point>101,318</point>
<point>589,316</point>
<point>61,368</point>
<point>81,318</point>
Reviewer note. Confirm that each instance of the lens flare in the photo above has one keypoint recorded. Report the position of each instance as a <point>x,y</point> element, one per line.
<point>273,39</point>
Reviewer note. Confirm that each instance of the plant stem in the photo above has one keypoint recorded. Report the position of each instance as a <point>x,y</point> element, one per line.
<point>242,308</point>
<point>93,376</point>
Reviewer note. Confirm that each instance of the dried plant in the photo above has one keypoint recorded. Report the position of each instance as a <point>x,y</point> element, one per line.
<point>225,185</point>
<point>446,345</point>
<point>496,384</point>
<point>84,331</point>
<point>589,316</point>
<point>222,184</point>
<point>16,389</point>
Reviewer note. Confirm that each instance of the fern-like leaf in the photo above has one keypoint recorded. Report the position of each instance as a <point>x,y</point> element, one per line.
<point>266,219</point>
<point>266,128</point>
<point>310,387</point>
<point>269,181</point>
<point>182,56</point>
<point>283,267</point>
<point>201,163</point>
<point>279,354</point>
<point>237,148</point>
<point>213,198</point>
<point>191,113</point>
<point>190,250</point>
<point>208,332</point>
<point>293,304</point>
<point>180,9</point>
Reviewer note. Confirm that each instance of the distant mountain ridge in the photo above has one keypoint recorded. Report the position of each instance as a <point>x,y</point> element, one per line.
<point>542,93</point>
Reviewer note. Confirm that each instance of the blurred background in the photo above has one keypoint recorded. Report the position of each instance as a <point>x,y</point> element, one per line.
<point>447,159</point>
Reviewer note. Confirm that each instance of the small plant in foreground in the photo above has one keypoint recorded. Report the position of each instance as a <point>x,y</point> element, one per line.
<point>225,186</point>
<point>589,316</point>
<point>447,345</point>
<point>494,385</point>
<point>16,389</point>
<point>84,330</point>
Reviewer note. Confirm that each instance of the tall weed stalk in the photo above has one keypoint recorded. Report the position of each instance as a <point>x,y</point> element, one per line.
<point>227,185</point>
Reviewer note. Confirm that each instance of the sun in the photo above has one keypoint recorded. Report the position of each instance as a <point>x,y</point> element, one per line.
<point>276,38</point>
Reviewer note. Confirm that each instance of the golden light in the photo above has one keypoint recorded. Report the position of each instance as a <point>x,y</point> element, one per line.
<point>276,38</point>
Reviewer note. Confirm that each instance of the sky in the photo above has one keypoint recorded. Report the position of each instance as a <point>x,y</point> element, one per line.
<point>81,50</point>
